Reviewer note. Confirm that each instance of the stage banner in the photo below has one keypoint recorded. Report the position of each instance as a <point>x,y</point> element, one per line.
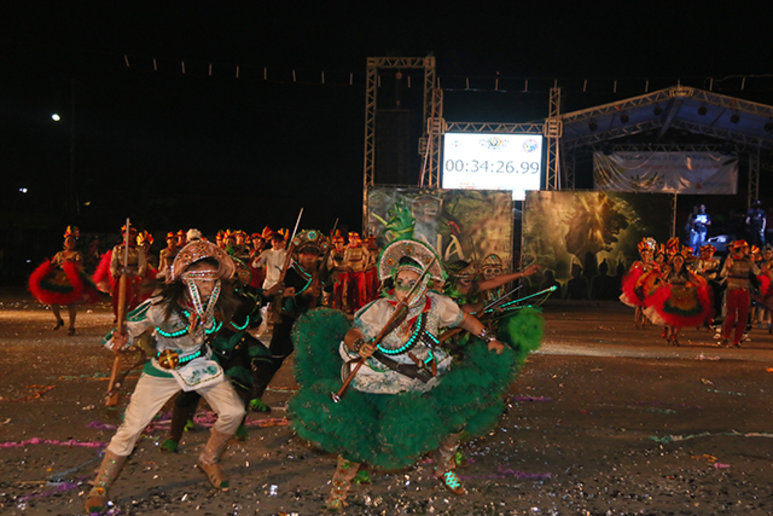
<point>585,238</point>
<point>699,173</point>
<point>458,224</point>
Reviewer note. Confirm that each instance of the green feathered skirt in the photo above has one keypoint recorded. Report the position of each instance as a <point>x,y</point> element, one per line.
<point>391,431</point>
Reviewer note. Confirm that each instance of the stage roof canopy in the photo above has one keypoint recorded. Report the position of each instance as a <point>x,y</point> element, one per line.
<point>747,125</point>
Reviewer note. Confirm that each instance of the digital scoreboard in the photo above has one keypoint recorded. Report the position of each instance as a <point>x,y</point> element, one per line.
<point>488,161</point>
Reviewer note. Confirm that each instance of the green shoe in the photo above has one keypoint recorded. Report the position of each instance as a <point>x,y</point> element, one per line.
<point>169,446</point>
<point>190,426</point>
<point>241,433</point>
<point>257,405</point>
<point>362,477</point>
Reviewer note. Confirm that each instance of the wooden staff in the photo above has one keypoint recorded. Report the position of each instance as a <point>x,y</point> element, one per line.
<point>401,310</point>
<point>111,398</point>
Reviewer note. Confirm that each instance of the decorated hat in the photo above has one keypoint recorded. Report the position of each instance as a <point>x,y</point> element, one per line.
<point>144,237</point>
<point>462,269</point>
<point>281,234</point>
<point>310,240</point>
<point>337,237</point>
<point>708,248</point>
<point>419,252</point>
<point>266,233</point>
<point>132,229</point>
<point>197,251</point>
<point>491,260</point>
<point>647,243</point>
<point>171,234</point>
<point>193,234</point>
<point>71,232</point>
<point>737,244</point>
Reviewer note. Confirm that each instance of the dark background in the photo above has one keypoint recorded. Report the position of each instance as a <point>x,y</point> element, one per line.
<point>173,150</point>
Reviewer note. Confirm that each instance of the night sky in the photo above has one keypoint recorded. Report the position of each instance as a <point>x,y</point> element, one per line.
<point>176,150</point>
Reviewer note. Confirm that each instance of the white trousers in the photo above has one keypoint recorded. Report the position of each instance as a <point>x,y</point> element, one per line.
<point>152,392</point>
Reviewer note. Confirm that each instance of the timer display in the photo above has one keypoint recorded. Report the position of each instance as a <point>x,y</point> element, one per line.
<point>487,161</point>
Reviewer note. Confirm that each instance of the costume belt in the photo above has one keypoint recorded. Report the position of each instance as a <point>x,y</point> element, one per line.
<point>411,371</point>
<point>171,359</point>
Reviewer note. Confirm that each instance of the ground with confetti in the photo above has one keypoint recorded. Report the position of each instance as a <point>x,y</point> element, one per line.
<point>605,418</point>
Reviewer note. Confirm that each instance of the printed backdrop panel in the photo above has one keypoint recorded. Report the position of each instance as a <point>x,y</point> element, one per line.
<point>458,224</point>
<point>571,234</point>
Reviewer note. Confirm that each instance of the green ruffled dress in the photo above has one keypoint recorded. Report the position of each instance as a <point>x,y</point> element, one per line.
<point>392,431</point>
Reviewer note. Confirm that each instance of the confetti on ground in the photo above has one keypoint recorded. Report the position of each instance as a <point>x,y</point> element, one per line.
<point>38,391</point>
<point>666,439</point>
<point>732,393</point>
<point>58,487</point>
<point>54,442</point>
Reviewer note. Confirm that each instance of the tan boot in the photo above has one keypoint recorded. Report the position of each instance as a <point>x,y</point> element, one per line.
<point>342,481</point>
<point>106,475</point>
<point>445,462</point>
<point>209,459</point>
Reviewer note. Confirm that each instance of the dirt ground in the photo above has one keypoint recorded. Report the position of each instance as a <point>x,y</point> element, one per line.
<point>604,419</point>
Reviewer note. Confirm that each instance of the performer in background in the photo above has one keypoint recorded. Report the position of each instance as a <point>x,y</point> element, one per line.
<point>62,281</point>
<point>407,398</point>
<point>469,292</point>
<point>136,269</point>
<point>699,228</point>
<point>680,298</point>
<point>633,293</point>
<point>708,268</point>
<point>196,302</point>
<point>336,266</point>
<point>167,254</point>
<point>356,260</point>
<point>272,260</point>
<point>735,272</point>
<point>756,223</point>
<point>299,290</point>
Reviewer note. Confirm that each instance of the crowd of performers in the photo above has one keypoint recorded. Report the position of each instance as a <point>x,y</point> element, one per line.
<point>422,363</point>
<point>670,287</point>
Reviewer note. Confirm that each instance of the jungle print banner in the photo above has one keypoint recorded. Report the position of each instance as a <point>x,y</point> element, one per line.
<point>458,224</point>
<point>588,234</point>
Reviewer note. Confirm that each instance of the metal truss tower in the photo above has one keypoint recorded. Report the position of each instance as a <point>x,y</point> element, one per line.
<point>374,64</point>
<point>554,130</point>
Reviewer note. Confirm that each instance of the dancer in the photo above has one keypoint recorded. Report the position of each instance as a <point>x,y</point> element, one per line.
<point>61,281</point>
<point>681,298</point>
<point>735,272</point>
<point>239,354</point>
<point>167,254</point>
<point>469,292</point>
<point>632,291</point>
<point>136,268</point>
<point>406,398</point>
<point>299,288</point>
<point>196,302</point>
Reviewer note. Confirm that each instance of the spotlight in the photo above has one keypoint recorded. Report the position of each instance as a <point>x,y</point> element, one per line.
<point>769,126</point>
<point>657,110</point>
<point>624,118</point>
<point>702,110</point>
<point>593,126</point>
<point>735,118</point>
<point>55,117</point>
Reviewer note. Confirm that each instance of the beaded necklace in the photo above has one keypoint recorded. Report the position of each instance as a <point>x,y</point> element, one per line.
<point>215,326</point>
<point>419,334</point>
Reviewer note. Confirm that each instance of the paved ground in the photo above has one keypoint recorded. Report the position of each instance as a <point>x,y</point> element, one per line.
<point>604,419</point>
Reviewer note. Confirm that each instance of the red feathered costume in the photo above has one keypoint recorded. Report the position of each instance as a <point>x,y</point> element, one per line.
<point>65,285</point>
